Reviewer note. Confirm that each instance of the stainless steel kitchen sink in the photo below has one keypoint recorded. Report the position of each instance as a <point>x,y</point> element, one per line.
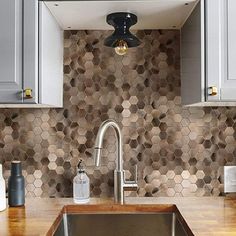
<point>121,224</point>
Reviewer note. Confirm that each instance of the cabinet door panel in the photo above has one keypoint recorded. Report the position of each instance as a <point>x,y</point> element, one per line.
<point>228,81</point>
<point>11,51</point>
<point>231,40</point>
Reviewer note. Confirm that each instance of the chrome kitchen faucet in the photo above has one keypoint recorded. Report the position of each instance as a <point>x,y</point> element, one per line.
<point>120,184</point>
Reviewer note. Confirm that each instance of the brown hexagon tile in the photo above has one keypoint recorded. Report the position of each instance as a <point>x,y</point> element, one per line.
<point>179,151</point>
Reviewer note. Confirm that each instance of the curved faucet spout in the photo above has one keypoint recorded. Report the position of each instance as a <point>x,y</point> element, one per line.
<point>119,179</point>
<point>99,141</point>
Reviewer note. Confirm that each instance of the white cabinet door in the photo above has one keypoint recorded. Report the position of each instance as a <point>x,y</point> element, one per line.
<point>221,49</point>
<point>11,51</point>
<point>228,81</point>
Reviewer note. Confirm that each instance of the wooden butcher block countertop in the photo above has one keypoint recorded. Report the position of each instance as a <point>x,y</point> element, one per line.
<point>205,216</point>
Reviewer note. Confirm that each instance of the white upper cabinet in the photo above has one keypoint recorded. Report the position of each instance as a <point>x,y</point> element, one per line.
<point>209,54</point>
<point>30,76</point>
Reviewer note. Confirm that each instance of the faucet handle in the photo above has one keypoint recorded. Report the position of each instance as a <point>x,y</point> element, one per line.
<point>132,184</point>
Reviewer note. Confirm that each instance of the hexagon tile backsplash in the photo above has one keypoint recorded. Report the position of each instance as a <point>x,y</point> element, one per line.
<point>179,151</point>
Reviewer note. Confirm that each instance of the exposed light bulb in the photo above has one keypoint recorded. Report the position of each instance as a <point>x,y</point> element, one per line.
<point>121,47</point>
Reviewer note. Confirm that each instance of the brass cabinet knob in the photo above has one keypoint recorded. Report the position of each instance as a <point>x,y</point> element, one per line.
<point>28,93</point>
<point>213,91</point>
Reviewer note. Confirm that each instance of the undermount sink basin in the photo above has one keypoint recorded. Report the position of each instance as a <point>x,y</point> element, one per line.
<point>121,220</point>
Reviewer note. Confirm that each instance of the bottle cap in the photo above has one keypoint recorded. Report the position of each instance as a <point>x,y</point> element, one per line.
<point>80,167</point>
<point>16,168</point>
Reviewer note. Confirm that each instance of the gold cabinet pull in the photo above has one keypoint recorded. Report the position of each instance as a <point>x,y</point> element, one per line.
<point>28,93</point>
<point>213,91</point>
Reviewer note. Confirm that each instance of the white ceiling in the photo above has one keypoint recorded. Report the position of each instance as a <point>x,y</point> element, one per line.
<point>91,15</point>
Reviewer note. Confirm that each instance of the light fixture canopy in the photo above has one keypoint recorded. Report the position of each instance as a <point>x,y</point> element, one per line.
<point>122,38</point>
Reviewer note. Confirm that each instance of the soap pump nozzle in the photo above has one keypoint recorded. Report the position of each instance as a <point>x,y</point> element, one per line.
<point>80,166</point>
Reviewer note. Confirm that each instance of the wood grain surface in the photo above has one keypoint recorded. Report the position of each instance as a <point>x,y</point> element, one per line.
<point>205,216</point>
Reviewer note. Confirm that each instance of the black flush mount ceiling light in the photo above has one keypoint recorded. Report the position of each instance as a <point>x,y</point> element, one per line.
<point>122,39</point>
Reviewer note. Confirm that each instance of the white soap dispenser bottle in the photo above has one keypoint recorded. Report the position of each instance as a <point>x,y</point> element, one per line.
<point>81,186</point>
<point>3,200</point>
